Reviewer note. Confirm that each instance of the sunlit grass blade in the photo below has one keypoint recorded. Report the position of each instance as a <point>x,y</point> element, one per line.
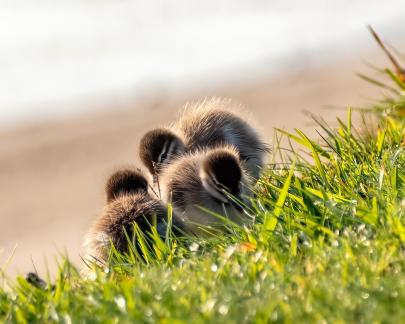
<point>270,221</point>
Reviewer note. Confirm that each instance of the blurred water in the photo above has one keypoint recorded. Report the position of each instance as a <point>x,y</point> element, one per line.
<point>55,50</point>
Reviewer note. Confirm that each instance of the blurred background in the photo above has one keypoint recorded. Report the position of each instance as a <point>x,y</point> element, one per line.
<point>82,80</point>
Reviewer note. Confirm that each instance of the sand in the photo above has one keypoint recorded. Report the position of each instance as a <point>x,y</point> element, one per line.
<point>53,174</point>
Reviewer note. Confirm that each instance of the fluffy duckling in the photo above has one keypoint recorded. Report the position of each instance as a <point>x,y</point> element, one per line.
<point>128,202</point>
<point>205,184</point>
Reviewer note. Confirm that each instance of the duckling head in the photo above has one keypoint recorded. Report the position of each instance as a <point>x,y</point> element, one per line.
<point>125,182</point>
<point>158,147</point>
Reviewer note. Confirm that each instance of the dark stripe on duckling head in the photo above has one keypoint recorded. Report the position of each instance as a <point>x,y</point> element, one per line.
<point>125,182</point>
<point>158,146</point>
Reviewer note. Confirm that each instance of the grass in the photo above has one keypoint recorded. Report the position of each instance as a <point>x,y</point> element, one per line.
<point>327,245</point>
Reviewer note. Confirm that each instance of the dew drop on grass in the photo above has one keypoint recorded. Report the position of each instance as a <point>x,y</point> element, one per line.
<point>223,309</point>
<point>209,305</point>
<point>361,228</point>
<point>92,276</point>
<point>120,301</point>
<point>67,319</point>
<point>214,268</point>
<point>91,300</point>
<point>54,314</point>
<point>258,255</point>
<point>193,247</point>
<point>229,251</point>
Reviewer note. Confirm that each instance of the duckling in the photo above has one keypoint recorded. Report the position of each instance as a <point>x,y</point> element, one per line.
<point>205,124</point>
<point>205,184</point>
<point>128,202</point>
